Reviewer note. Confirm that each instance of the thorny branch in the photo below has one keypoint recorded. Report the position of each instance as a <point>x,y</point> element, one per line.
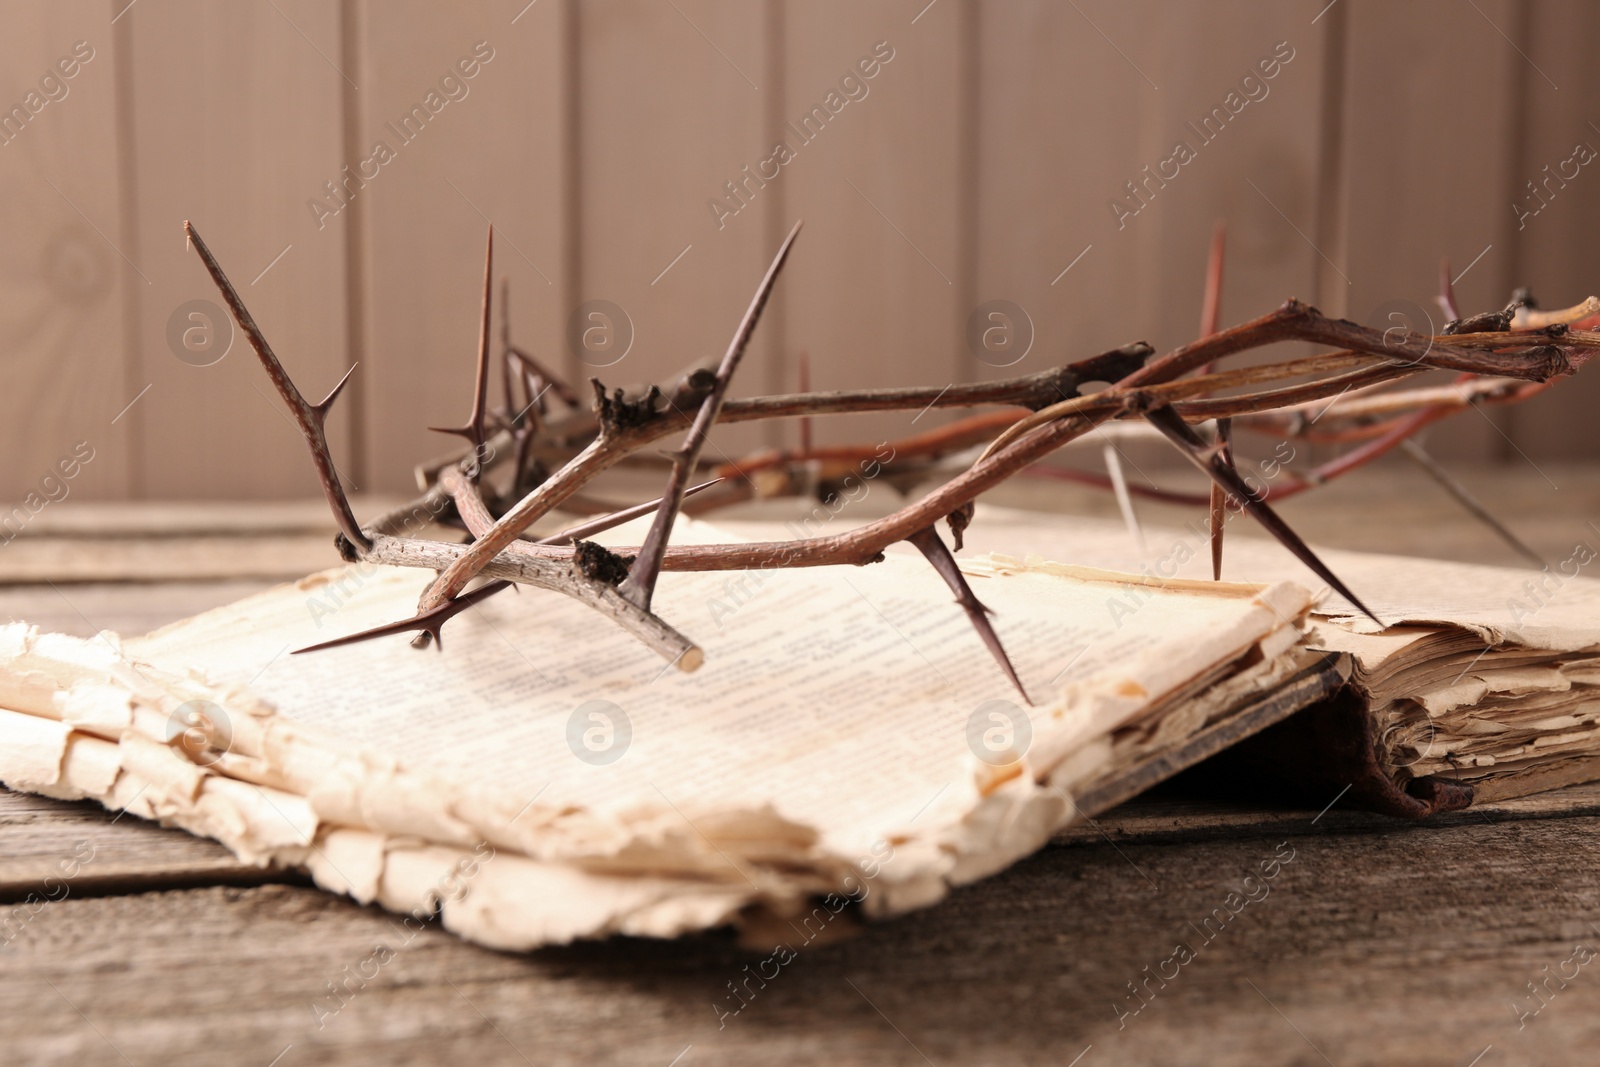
<point>1501,357</point>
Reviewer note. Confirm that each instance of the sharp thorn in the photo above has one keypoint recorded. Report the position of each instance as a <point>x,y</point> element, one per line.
<point>507,367</point>
<point>937,553</point>
<point>1219,515</point>
<point>431,623</point>
<point>640,584</point>
<point>1181,434</point>
<point>1447,291</point>
<point>459,431</point>
<point>480,400</point>
<point>473,430</point>
<point>564,392</point>
<point>1211,305</point>
<point>1119,486</point>
<point>617,518</point>
<point>1467,500</point>
<point>333,394</point>
<point>1219,498</point>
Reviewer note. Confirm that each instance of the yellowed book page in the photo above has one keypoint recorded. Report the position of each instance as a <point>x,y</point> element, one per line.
<point>843,716</point>
<point>1556,609</point>
<point>1466,645</point>
<point>838,697</point>
<point>847,731</point>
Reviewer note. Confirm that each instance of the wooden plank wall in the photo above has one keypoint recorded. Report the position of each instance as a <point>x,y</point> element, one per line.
<point>64,281</point>
<point>628,152</point>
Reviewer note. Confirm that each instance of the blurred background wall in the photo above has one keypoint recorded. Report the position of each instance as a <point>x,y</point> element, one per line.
<point>343,159</point>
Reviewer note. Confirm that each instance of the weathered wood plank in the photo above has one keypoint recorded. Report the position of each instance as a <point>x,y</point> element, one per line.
<point>1179,815</point>
<point>235,122</point>
<point>1399,947</point>
<point>1404,202</point>
<point>54,848</point>
<point>167,560</point>
<point>1554,253</point>
<point>1258,172</point>
<point>128,608</point>
<point>486,147</point>
<point>63,276</point>
<point>651,160</point>
<point>1192,135</point>
<point>167,518</point>
<point>38,830</point>
<point>1049,163</point>
<point>878,291</point>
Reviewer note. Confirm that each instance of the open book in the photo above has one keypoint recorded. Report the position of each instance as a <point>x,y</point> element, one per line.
<point>1482,686</point>
<point>544,778</point>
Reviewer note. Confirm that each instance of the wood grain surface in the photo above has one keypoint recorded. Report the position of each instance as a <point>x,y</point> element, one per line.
<point>1384,945</point>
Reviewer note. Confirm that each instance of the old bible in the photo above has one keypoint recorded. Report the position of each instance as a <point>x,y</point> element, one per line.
<point>847,739</point>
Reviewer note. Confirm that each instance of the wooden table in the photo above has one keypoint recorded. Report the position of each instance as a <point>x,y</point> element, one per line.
<point>1381,943</point>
